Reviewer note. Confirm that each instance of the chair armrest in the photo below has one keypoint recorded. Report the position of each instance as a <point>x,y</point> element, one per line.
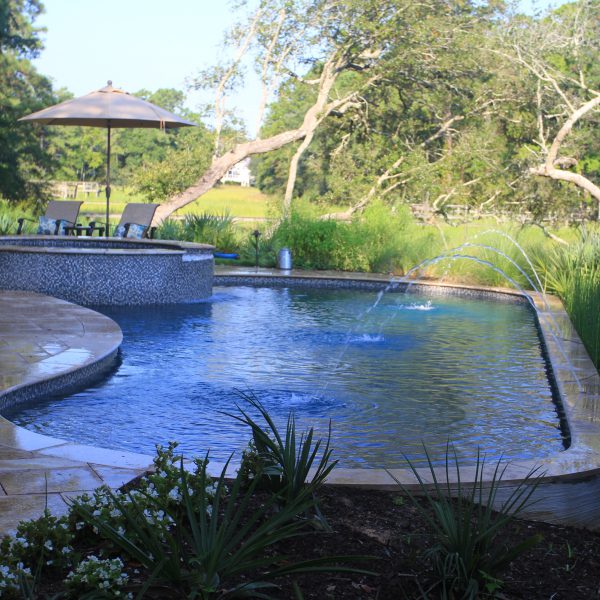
<point>62,223</point>
<point>21,222</point>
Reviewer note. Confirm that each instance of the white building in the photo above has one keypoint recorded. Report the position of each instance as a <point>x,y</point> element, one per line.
<point>239,173</point>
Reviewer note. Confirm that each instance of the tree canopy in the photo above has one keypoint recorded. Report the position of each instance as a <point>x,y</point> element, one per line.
<point>22,89</point>
<point>433,104</point>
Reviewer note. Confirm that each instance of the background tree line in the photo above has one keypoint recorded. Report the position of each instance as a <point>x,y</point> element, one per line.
<point>433,104</point>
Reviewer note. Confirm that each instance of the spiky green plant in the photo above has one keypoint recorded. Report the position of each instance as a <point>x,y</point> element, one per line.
<point>218,546</point>
<point>468,555</point>
<point>288,465</point>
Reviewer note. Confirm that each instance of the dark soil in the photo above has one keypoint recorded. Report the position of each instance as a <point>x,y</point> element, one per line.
<point>565,565</point>
<point>389,529</point>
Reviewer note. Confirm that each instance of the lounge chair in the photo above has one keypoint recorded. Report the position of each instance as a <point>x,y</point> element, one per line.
<point>59,214</point>
<point>136,221</point>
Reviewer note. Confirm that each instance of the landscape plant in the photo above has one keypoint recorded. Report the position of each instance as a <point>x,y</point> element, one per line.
<point>573,273</point>
<point>217,546</point>
<point>175,532</point>
<point>467,521</point>
<point>290,468</point>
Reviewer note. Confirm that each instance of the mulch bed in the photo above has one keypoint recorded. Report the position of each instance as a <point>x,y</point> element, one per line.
<point>565,565</point>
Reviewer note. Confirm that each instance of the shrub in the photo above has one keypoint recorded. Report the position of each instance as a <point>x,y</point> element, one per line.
<point>105,577</point>
<point>468,555</point>
<point>381,239</point>
<point>170,229</point>
<point>213,547</point>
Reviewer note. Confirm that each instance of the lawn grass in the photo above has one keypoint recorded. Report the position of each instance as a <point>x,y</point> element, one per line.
<point>238,201</point>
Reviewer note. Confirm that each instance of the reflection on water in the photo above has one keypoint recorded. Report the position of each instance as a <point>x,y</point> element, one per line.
<point>411,372</point>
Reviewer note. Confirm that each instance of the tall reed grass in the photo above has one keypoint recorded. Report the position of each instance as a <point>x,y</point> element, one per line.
<point>573,273</point>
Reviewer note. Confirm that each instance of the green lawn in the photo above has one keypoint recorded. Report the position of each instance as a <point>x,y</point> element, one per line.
<point>232,199</point>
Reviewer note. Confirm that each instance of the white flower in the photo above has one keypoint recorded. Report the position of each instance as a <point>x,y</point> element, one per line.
<point>48,545</point>
<point>175,494</point>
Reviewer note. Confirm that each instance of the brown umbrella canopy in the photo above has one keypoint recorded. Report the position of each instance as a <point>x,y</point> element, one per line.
<point>110,108</point>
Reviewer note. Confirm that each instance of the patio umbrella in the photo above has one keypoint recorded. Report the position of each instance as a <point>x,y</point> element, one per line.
<point>110,108</point>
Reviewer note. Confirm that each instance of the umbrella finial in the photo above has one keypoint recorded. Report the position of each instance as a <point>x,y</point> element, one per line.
<point>109,82</point>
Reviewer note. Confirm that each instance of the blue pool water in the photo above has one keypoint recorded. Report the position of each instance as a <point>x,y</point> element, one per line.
<point>413,370</point>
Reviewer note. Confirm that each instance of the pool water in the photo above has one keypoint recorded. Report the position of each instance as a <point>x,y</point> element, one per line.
<point>411,371</point>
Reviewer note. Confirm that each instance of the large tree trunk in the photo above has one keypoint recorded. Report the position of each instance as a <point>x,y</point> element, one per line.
<point>221,164</point>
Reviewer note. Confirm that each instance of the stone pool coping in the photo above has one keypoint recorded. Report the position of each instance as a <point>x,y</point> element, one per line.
<point>48,345</point>
<point>27,459</point>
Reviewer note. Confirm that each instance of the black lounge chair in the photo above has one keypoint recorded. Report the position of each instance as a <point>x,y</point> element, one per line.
<point>136,221</point>
<point>59,215</point>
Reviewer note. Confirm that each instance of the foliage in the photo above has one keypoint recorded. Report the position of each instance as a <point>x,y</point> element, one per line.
<point>162,178</point>
<point>23,161</point>
<point>468,556</point>
<point>573,273</point>
<point>215,546</point>
<point>382,239</point>
<point>451,116</point>
<point>281,463</point>
<point>158,496</point>
<point>104,577</point>
<point>174,531</point>
<point>217,230</point>
<point>9,213</point>
<point>266,250</point>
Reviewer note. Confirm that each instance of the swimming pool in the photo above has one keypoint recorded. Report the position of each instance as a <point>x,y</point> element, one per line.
<point>413,370</point>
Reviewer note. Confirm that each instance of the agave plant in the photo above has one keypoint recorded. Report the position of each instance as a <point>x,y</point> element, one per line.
<point>468,555</point>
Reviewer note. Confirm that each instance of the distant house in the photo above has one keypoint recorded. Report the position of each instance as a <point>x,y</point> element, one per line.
<point>239,173</point>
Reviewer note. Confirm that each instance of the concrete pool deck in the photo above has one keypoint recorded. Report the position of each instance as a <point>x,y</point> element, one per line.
<point>48,344</point>
<point>44,343</point>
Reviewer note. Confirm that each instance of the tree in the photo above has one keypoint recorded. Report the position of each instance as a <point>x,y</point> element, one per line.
<point>558,58</point>
<point>332,38</point>
<point>23,161</point>
<point>420,131</point>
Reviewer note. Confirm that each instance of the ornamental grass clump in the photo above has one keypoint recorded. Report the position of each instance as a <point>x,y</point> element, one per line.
<point>573,273</point>
<point>468,554</point>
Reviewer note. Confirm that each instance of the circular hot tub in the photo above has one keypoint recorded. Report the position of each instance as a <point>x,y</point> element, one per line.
<point>100,271</point>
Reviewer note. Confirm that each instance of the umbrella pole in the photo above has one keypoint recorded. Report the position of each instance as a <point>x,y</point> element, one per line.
<point>108,180</point>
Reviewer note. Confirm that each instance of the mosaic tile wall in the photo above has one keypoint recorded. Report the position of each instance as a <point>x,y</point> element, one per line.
<point>146,273</point>
<point>61,384</point>
<point>364,284</point>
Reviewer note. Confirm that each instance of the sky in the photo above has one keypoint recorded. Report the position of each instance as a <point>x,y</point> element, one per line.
<point>138,44</point>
